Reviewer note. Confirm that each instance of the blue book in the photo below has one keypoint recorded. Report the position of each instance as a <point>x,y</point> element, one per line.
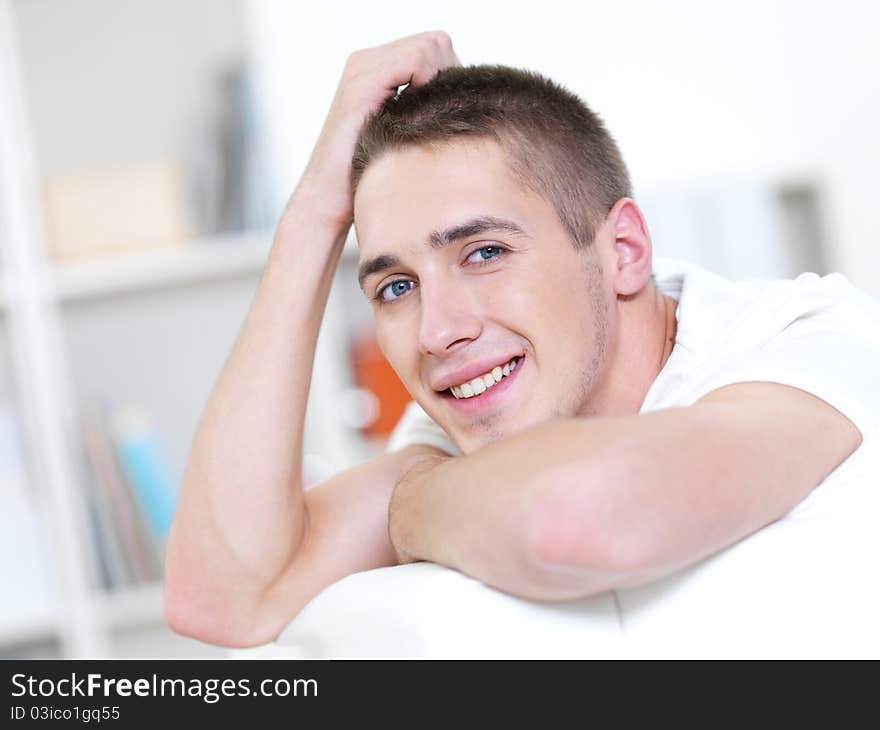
<point>146,469</point>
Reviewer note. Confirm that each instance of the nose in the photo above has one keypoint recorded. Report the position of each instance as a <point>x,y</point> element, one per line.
<point>448,319</point>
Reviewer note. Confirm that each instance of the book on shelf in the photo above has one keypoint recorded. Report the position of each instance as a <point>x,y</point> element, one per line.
<point>145,468</point>
<point>130,496</point>
<point>109,553</point>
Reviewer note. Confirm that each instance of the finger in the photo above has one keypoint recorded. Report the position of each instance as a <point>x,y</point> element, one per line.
<point>420,65</point>
<point>425,72</point>
<point>439,50</point>
<point>440,56</point>
<point>413,60</point>
<point>447,56</point>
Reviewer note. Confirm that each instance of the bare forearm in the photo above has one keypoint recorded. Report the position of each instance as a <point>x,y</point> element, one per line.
<point>577,506</point>
<point>241,510</point>
<point>478,513</point>
<point>563,510</point>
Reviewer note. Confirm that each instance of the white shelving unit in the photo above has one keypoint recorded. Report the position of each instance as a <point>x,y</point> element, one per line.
<point>166,319</point>
<point>195,262</point>
<point>38,364</point>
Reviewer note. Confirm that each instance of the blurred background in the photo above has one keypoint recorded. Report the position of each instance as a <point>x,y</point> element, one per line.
<point>147,149</point>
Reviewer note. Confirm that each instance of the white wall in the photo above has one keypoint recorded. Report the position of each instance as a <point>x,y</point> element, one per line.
<point>693,91</point>
<point>115,82</point>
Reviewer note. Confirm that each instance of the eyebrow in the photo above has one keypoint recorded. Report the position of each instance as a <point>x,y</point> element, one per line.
<point>441,239</point>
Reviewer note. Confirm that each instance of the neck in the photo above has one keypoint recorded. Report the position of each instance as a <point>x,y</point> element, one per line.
<point>646,328</point>
<point>669,306</point>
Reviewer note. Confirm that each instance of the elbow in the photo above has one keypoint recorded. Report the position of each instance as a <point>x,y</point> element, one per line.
<point>183,618</point>
<point>188,616</point>
<point>187,606</point>
<point>194,607</point>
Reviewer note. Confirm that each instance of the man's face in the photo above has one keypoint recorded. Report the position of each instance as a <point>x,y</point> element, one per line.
<point>469,275</point>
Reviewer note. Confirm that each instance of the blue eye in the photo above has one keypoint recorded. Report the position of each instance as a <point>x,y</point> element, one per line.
<point>394,290</point>
<point>486,253</point>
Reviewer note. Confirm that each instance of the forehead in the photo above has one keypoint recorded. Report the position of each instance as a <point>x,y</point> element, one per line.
<point>406,194</point>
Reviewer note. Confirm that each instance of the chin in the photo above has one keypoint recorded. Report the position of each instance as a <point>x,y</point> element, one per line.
<point>478,438</point>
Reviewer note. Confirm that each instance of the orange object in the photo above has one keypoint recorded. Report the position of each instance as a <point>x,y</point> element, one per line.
<point>375,374</point>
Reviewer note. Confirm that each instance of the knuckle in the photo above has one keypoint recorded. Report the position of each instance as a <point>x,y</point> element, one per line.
<point>354,59</point>
<point>443,40</point>
<point>405,42</point>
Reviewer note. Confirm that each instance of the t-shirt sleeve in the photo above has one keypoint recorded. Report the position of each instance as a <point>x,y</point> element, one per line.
<point>831,349</point>
<point>416,427</point>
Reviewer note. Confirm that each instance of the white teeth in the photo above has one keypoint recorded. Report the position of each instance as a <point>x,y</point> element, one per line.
<point>482,383</point>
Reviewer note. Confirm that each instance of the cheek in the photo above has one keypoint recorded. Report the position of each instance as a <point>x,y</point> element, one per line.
<point>560,308</point>
<point>396,345</point>
<point>387,344</point>
<point>550,301</point>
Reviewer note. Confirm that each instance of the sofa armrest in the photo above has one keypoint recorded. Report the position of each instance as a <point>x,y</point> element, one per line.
<point>428,611</point>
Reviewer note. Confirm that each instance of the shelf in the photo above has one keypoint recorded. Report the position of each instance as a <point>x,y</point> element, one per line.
<point>201,260</point>
<point>34,629</point>
<point>128,608</point>
<point>131,607</point>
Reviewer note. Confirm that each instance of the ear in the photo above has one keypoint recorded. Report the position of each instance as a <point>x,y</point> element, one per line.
<point>631,247</point>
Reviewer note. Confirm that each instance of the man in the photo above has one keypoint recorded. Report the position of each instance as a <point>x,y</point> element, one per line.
<point>510,273</point>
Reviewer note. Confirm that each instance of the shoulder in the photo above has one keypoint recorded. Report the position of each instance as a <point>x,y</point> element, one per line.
<point>819,334</point>
<point>719,316</point>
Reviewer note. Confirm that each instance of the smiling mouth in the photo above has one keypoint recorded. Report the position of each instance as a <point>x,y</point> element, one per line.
<point>482,383</point>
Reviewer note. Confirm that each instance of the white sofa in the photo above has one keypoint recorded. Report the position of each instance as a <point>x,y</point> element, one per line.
<point>805,586</point>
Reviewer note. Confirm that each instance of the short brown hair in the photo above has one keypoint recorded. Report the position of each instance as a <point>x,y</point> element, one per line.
<point>557,146</point>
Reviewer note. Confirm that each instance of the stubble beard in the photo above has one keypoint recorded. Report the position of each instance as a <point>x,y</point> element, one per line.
<point>582,405</point>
